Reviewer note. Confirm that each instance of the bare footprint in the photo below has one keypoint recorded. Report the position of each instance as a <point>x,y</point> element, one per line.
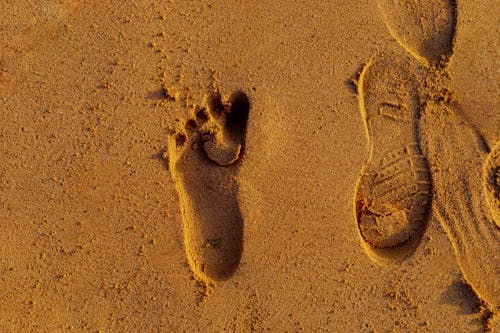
<point>204,160</point>
<point>456,156</point>
<point>425,28</point>
<point>393,191</point>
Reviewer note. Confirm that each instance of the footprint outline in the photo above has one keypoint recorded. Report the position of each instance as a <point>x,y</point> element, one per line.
<point>207,186</point>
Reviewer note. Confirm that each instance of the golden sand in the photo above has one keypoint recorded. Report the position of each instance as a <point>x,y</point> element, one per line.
<point>249,166</point>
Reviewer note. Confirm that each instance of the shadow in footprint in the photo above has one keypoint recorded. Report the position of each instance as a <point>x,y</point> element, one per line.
<point>461,295</point>
<point>205,157</point>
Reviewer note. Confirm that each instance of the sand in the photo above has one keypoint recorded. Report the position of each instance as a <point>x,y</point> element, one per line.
<point>249,166</point>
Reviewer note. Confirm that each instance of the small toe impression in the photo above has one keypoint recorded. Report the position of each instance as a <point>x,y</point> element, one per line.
<point>224,141</point>
<point>180,140</point>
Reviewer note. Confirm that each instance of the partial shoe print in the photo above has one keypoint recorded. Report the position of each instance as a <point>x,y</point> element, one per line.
<point>456,155</point>
<point>491,182</point>
<point>425,28</point>
<point>204,159</point>
<point>393,193</point>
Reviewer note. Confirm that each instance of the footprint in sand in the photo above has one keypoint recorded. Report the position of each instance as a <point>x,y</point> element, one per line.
<point>393,192</point>
<point>491,181</point>
<point>456,156</point>
<point>204,161</point>
<point>424,28</point>
<point>466,199</point>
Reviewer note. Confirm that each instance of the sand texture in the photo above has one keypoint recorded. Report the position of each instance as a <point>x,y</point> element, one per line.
<point>249,166</point>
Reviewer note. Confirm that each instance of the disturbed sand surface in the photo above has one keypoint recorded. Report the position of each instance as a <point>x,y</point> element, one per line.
<point>244,166</point>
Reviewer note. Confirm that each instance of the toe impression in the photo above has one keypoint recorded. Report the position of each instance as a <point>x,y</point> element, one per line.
<point>223,143</point>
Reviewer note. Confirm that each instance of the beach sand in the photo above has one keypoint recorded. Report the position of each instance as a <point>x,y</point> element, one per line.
<point>249,166</point>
